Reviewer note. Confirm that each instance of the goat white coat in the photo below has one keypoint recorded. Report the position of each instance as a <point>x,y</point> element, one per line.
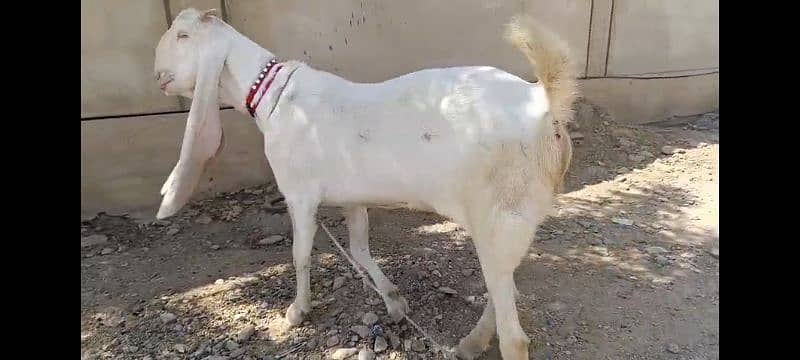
<point>475,144</point>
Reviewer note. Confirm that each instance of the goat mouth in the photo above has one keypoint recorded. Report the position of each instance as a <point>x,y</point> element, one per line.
<point>164,85</point>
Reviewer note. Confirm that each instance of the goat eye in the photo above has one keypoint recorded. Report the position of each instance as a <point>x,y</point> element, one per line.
<point>183,36</point>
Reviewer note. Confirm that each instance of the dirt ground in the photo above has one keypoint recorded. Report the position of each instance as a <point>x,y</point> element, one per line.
<point>628,269</point>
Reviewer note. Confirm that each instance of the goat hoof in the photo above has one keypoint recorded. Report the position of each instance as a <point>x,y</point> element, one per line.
<point>397,309</point>
<point>294,316</point>
<point>469,349</point>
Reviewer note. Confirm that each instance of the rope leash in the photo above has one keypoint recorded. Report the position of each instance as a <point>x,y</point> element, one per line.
<point>448,353</point>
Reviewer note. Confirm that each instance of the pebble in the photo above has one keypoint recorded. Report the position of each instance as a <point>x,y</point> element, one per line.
<point>343,353</point>
<point>106,251</point>
<point>332,341</point>
<point>167,318</point>
<point>231,345</point>
<point>636,157</point>
<point>173,230</point>
<point>269,240</point>
<point>669,150</point>
<point>246,333</point>
<point>361,330</point>
<point>418,345</point>
<point>338,282</point>
<point>467,272</point>
<point>674,348</point>
<point>93,240</point>
<point>236,353</point>
<point>215,247</point>
<point>203,219</point>
<point>655,250</point>
<point>576,136</point>
<point>366,354</point>
<point>661,260</point>
<point>369,319</point>
<point>215,357</point>
<point>380,344</point>
<point>181,348</point>
<point>394,339</point>
<point>622,221</point>
<point>447,290</point>
<point>714,252</point>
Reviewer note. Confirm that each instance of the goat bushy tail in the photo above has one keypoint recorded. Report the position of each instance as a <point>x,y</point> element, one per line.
<point>554,68</point>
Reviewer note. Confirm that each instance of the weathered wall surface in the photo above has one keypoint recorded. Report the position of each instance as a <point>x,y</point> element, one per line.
<point>642,60</point>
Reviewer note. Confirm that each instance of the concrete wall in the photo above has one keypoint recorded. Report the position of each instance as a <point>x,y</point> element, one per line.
<point>642,60</point>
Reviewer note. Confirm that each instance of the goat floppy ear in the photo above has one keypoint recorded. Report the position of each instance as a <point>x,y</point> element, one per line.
<point>203,137</point>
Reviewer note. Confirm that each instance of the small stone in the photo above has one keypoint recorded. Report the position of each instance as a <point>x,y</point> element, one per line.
<point>418,345</point>
<point>167,318</point>
<point>636,158</point>
<point>668,150</point>
<point>203,219</point>
<point>366,354</point>
<point>215,247</point>
<point>93,240</point>
<point>338,282</point>
<point>576,136</point>
<point>646,154</point>
<point>332,341</point>
<point>269,240</point>
<point>106,251</point>
<point>467,272</point>
<point>714,252</point>
<point>231,345</point>
<point>623,170</point>
<point>380,344</point>
<point>215,357</point>
<point>674,348</point>
<point>246,333</point>
<point>661,260</point>
<point>181,348</point>
<point>437,273</point>
<point>369,319</point>
<point>447,290</point>
<point>161,223</point>
<point>622,221</point>
<point>361,330</point>
<point>394,340</point>
<point>655,250</point>
<point>343,353</point>
<point>238,352</point>
<point>172,230</point>
<point>373,301</point>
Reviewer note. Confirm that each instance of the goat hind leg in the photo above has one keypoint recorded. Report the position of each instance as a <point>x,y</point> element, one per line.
<point>476,342</point>
<point>358,227</point>
<point>500,253</point>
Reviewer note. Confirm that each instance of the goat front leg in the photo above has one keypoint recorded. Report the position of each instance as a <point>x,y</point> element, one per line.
<point>304,227</point>
<point>358,226</point>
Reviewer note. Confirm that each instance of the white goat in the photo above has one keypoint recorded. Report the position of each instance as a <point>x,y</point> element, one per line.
<point>475,144</point>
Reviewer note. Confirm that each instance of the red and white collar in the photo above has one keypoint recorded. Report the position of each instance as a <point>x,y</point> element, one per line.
<point>261,85</point>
